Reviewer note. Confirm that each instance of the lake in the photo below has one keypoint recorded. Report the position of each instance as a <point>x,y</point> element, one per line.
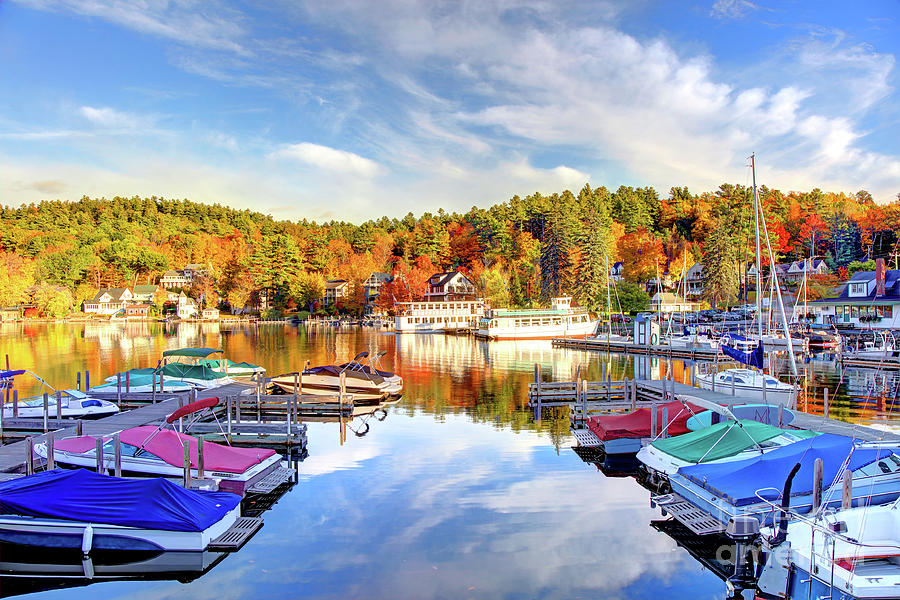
<point>456,493</point>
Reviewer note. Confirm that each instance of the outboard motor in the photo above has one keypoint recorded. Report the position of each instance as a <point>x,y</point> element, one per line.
<point>744,531</point>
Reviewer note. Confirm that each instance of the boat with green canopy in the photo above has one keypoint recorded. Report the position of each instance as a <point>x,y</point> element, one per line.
<point>725,441</point>
<point>174,377</point>
<point>207,357</point>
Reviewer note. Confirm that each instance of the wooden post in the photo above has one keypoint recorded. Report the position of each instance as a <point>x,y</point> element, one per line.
<point>201,462</point>
<point>665,423</point>
<point>59,405</point>
<point>847,496</point>
<point>15,404</point>
<point>117,455</point>
<point>99,454</point>
<point>7,362</point>
<point>153,387</point>
<point>342,389</point>
<point>289,411</point>
<point>228,415</point>
<point>608,386</point>
<point>634,394</point>
<point>118,388</point>
<point>584,387</point>
<point>51,458</point>
<point>87,380</point>
<point>46,410</point>
<point>78,381</point>
<point>162,384</point>
<point>187,465</point>
<point>693,371</point>
<point>826,402</point>
<point>128,382</point>
<point>781,416</point>
<point>763,388</point>
<point>653,417</point>
<point>29,455</point>
<point>732,384</point>
<point>817,484</point>
<point>79,428</point>
<point>237,408</point>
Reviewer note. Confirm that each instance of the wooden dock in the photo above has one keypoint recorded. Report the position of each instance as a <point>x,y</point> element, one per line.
<point>599,344</point>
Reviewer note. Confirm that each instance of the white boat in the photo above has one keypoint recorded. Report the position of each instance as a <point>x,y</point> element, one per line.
<point>853,553</point>
<point>149,450</point>
<point>218,363</point>
<point>371,365</point>
<point>437,316</point>
<point>749,385</point>
<point>72,509</point>
<point>362,384</point>
<point>561,320</point>
<point>74,404</point>
<point>175,377</point>
<point>880,348</point>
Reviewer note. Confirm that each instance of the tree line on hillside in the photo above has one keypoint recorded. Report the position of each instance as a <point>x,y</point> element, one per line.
<point>520,252</point>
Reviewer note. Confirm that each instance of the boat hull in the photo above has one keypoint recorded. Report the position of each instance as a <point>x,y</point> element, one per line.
<point>575,330</point>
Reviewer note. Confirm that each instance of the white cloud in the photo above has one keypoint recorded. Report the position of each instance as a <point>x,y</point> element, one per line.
<point>110,118</point>
<point>732,9</point>
<point>330,159</point>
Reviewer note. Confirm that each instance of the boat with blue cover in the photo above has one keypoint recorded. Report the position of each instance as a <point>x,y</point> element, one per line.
<point>84,510</point>
<point>743,488</point>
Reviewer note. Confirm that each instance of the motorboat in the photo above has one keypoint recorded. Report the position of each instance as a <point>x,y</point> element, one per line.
<point>742,488</point>
<point>218,364</point>
<point>74,404</point>
<point>882,347</point>
<point>625,433</point>
<point>852,553</point>
<point>749,385</point>
<point>84,510</point>
<point>371,365</point>
<point>149,450</point>
<point>174,376</point>
<point>363,384</point>
<point>727,441</point>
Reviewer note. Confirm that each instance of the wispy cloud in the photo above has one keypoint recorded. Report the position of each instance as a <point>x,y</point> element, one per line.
<point>732,9</point>
<point>110,118</point>
<point>330,159</point>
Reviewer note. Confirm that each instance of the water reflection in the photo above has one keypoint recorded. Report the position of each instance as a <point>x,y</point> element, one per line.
<point>457,492</point>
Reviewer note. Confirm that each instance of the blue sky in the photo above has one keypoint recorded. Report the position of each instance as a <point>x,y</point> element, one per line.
<point>352,110</point>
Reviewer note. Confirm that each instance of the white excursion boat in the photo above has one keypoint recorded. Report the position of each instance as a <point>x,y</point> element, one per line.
<point>149,450</point>
<point>437,316</point>
<point>73,509</point>
<point>561,320</point>
<point>74,404</point>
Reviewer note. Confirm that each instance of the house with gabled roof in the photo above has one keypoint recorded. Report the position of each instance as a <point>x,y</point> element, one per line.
<point>108,301</point>
<point>145,294</point>
<point>174,279</point>
<point>372,287</point>
<point>869,300</point>
<point>450,285</point>
<point>336,289</point>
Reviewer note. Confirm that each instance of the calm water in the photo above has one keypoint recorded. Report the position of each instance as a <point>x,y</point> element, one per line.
<point>457,493</point>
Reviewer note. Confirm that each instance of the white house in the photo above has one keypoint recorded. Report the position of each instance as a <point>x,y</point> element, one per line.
<point>810,266</point>
<point>871,299</point>
<point>667,302</point>
<point>693,281</point>
<point>451,285</point>
<point>616,271</point>
<point>174,279</point>
<point>108,301</point>
<point>186,307</point>
<point>335,289</point>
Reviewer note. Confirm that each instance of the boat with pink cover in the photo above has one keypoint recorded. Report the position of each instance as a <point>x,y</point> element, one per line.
<point>149,450</point>
<point>623,434</point>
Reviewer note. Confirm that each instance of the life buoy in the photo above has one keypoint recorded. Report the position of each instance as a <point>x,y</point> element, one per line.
<point>654,339</point>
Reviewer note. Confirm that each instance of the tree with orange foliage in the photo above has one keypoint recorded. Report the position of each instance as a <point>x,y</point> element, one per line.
<point>640,252</point>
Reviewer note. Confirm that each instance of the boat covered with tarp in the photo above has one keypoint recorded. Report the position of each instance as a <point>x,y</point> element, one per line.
<point>80,509</point>
<point>219,364</point>
<point>741,487</point>
<point>175,377</point>
<point>624,433</point>
<point>725,441</point>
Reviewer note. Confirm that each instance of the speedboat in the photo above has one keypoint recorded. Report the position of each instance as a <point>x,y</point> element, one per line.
<point>879,348</point>
<point>364,385</point>
<point>175,377</point>
<point>74,404</point>
<point>218,364</point>
<point>149,450</point>
<point>727,441</point>
<point>84,510</point>
<point>748,385</point>
<point>371,365</point>
<point>853,553</point>
<point>624,434</point>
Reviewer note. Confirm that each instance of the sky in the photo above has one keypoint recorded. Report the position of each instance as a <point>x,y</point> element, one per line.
<point>352,110</point>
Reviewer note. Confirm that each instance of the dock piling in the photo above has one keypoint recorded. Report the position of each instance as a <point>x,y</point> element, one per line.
<point>201,466</point>
<point>46,410</point>
<point>187,465</point>
<point>732,385</point>
<point>781,416</point>
<point>79,428</point>
<point>847,496</point>
<point>228,414</point>
<point>826,403</point>
<point>117,454</point>
<point>817,484</point>
<point>153,388</point>
<point>51,458</point>
<point>59,405</point>
<point>87,380</point>
<point>127,382</point>
<point>29,455</point>
<point>653,418</point>
<point>118,389</point>
<point>78,381</point>
<point>763,389</point>
<point>99,454</point>
<point>665,422</point>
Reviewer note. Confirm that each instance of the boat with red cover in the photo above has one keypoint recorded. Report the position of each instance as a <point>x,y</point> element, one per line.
<point>149,450</point>
<point>623,434</point>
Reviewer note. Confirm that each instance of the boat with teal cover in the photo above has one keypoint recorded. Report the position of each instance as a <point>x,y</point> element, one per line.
<point>176,377</point>
<point>729,440</point>
<point>219,364</point>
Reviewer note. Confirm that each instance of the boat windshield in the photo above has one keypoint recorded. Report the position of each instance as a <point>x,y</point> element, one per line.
<point>129,450</point>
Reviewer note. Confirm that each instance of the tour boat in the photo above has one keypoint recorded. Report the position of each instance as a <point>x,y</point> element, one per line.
<point>219,364</point>
<point>851,554</point>
<point>561,320</point>
<point>84,510</point>
<point>742,488</point>
<point>437,316</point>
<point>625,433</point>
<point>74,403</point>
<point>149,450</point>
<point>723,442</point>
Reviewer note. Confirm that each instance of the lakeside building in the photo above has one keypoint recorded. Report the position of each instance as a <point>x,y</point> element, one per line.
<point>335,289</point>
<point>449,305</point>
<point>450,285</point>
<point>666,302</point>
<point>174,279</point>
<point>869,300</point>
<point>108,301</point>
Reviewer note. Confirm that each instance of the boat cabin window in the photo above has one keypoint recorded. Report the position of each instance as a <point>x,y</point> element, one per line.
<point>771,381</point>
<point>879,467</point>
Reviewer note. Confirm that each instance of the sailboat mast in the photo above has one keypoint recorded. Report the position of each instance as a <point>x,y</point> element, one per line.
<point>608,304</point>
<point>758,249</point>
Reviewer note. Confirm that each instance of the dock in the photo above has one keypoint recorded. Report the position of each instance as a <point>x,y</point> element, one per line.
<point>598,344</point>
